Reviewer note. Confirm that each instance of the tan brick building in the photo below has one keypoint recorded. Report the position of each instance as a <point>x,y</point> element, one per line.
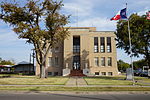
<point>93,52</point>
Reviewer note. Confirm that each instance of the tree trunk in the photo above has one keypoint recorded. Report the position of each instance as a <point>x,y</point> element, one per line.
<point>42,71</point>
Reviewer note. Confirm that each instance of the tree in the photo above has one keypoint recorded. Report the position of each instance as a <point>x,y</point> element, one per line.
<point>6,62</point>
<point>0,59</point>
<point>140,36</point>
<point>139,64</point>
<point>122,66</point>
<point>39,22</point>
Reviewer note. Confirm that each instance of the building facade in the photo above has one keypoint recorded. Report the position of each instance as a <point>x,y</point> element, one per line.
<point>93,52</point>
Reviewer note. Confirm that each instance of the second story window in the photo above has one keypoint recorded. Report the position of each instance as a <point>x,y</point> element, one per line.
<point>76,44</point>
<point>50,62</point>
<point>109,61</point>
<point>57,49</point>
<point>56,61</point>
<point>76,48</point>
<point>102,44</point>
<point>95,44</point>
<point>96,61</point>
<point>102,61</point>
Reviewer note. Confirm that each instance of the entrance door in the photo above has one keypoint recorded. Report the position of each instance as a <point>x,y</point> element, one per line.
<point>76,62</point>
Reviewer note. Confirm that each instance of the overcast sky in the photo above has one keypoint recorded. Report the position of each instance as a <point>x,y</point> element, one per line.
<point>84,13</point>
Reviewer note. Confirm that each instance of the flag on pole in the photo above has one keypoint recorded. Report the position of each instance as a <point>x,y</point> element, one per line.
<point>120,15</point>
<point>148,15</point>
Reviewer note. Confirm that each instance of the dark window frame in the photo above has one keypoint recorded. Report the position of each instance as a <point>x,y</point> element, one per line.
<point>109,61</point>
<point>102,44</point>
<point>96,50</point>
<point>109,48</point>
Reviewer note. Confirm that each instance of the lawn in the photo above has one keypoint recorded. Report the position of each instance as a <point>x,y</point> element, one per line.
<point>33,80</point>
<point>48,88</point>
<point>117,80</point>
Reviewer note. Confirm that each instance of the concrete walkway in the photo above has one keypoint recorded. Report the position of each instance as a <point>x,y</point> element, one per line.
<point>76,81</point>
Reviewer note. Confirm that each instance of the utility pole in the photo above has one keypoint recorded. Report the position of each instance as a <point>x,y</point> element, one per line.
<point>30,58</point>
<point>33,56</point>
<point>130,50</point>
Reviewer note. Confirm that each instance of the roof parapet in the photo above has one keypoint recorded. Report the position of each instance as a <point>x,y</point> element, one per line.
<point>82,28</point>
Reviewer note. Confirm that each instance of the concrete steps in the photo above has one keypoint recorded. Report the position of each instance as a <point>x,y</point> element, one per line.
<point>77,73</point>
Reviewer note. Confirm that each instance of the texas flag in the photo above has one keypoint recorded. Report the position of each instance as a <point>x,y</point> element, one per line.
<point>120,15</point>
<point>148,15</point>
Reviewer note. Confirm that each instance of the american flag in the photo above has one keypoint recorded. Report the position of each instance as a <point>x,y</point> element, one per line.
<point>148,15</point>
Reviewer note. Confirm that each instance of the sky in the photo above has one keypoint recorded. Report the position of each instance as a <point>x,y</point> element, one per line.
<point>84,13</point>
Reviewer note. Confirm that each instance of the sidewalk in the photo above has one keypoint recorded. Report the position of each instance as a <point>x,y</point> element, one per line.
<point>76,81</point>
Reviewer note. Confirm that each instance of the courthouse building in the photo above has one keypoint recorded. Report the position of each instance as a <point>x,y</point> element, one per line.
<point>91,52</point>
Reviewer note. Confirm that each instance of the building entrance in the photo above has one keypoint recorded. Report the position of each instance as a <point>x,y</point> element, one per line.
<point>76,62</point>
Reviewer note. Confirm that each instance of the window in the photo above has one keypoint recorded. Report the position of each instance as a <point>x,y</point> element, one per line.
<point>102,61</point>
<point>110,73</point>
<point>50,61</point>
<point>76,48</point>
<point>55,73</point>
<point>96,61</point>
<point>96,73</point>
<point>109,59</point>
<point>49,73</point>
<point>103,73</point>
<point>50,50</point>
<point>56,61</point>
<point>95,48</point>
<point>108,44</point>
<point>102,45</point>
<point>95,44</point>
<point>57,49</point>
<point>76,44</point>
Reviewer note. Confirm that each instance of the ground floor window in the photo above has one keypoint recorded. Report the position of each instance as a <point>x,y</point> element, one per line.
<point>96,73</point>
<point>110,73</point>
<point>49,73</point>
<point>55,73</point>
<point>103,73</point>
<point>52,73</point>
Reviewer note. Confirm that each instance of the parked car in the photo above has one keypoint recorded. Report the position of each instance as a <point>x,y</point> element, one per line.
<point>149,73</point>
<point>144,74</point>
<point>137,72</point>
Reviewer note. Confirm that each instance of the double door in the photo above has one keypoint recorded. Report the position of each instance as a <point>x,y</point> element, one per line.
<point>76,62</point>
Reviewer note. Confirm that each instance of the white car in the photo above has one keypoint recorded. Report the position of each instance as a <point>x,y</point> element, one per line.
<point>149,73</point>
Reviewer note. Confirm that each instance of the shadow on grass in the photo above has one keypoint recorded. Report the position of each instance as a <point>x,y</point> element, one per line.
<point>35,89</point>
<point>107,77</point>
<point>6,76</point>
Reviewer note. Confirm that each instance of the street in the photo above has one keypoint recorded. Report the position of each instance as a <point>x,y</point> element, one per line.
<point>56,96</point>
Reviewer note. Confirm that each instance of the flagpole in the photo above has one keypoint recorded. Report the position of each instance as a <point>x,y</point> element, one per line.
<point>130,49</point>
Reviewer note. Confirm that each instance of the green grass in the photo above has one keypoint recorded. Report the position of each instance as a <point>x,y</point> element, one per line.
<point>32,80</point>
<point>101,80</point>
<point>143,81</point>
<point>107,81</point>
<point>16,75</point>
<point>117,80</point>
<point>48,88</point>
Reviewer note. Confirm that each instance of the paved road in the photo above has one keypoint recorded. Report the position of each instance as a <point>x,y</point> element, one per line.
<point>54,96</point>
